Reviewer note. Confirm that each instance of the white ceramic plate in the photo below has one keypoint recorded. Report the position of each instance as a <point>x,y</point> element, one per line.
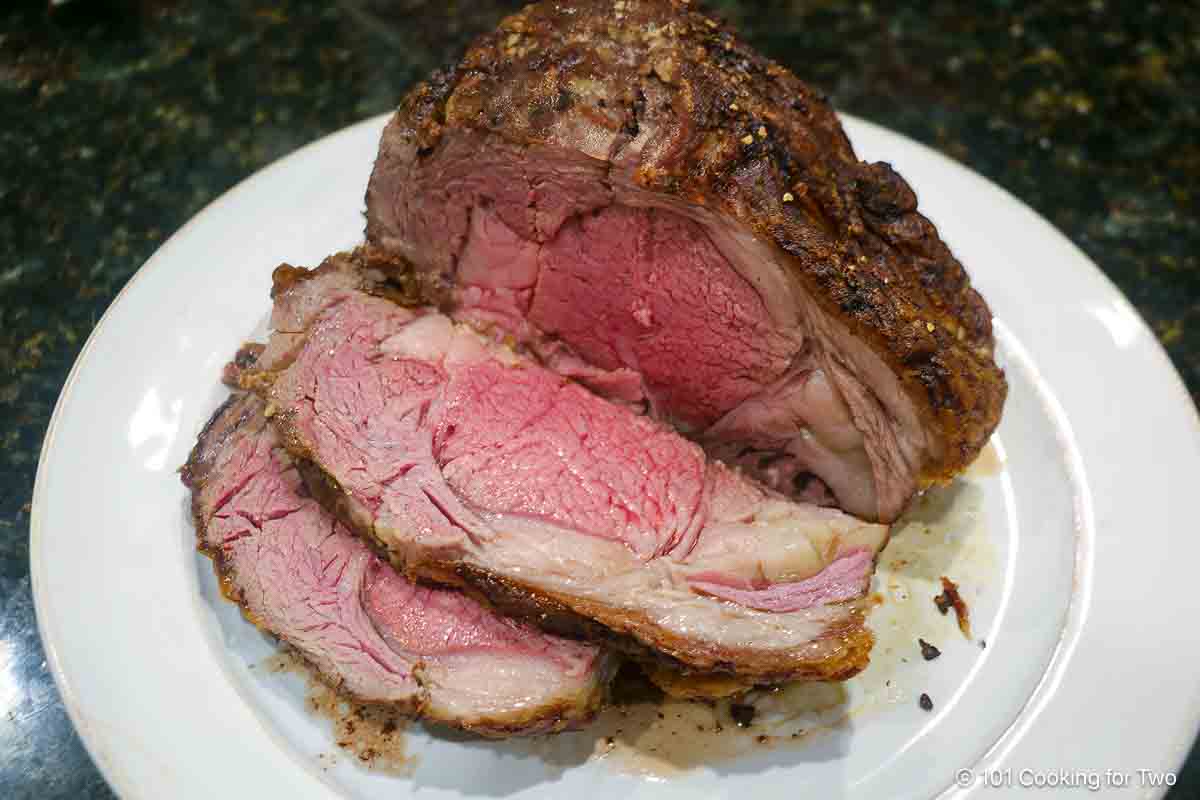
<point>1090,616</point>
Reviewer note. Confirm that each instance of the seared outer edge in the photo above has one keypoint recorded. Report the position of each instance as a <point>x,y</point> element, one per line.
<point>382,273</point>
<point>563,714</point>
<point>693,112</point>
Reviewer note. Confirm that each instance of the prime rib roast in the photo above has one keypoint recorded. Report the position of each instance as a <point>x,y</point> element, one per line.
<point>636,351</point>
<point>467,462</point>
<point>300,575</point>
<point>660,212</point>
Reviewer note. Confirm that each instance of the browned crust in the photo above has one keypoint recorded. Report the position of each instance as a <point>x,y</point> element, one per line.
<point>383,274</point>
<point>743,136</point>
<point>711,686</point>
<point>229,419</point>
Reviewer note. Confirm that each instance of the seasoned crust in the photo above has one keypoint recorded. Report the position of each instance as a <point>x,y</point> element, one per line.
<point>381,273</point>
<point>688,110</point>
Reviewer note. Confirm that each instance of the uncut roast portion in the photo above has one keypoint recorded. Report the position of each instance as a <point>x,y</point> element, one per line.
<point>658,212</point>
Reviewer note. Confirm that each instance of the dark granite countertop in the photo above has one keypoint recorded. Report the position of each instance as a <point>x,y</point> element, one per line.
<point>122,118</point>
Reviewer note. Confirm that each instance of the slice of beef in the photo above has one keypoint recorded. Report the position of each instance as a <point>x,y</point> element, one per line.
<point>468,462</point>
<point>302,576</point>
<point>660,211</point>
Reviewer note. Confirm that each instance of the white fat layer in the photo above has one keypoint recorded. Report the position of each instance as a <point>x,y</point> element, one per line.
<point>428,338</point>
<point>604,572</point>
<point>499,685</point>
<point>784,542</point>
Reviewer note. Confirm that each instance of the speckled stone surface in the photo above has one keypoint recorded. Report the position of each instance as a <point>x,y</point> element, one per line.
<point>122,119</point>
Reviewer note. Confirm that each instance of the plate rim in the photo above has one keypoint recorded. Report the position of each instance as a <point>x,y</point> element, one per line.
<point>1076,613</point>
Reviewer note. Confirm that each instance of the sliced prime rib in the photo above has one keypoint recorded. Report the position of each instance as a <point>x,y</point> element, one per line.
<point>302,576</point>
<point>660,211</point>
<point>467,462</point>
